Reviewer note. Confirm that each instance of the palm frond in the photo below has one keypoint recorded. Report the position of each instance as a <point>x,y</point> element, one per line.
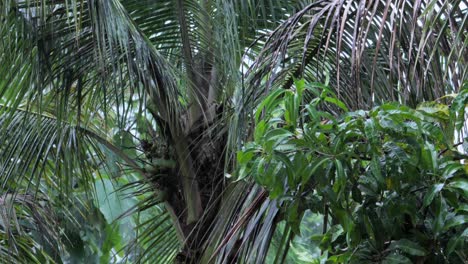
<point>22,217</point>
<point>157,238</point>
<point>243,230</point>
<point>42,163</point>
<point>373,51</point>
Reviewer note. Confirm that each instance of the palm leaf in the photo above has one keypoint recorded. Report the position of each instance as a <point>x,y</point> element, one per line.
<point>374,51</point>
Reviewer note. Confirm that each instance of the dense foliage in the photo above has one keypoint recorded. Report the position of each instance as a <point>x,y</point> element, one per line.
<point>390,182</point>
<point>119,120</point>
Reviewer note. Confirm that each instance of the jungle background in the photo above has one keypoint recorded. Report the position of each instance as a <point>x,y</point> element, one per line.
<point>222,131</point>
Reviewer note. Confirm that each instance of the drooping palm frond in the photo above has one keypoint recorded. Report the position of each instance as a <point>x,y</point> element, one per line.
<point>23,217</point>
<point>92,54</point>
<point>87,65</point>
<point>372,50</point>
<point>244,227</point>
<point>42,163</point>
<point>156,239</point>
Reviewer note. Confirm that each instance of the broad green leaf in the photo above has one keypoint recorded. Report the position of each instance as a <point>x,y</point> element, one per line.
<point>395,258</point>
<point>455,242</point>
<point>260,165</point>
<point>124,139</point>
<point>313,168</point>
<point>340,180</point>
<point>332,234</point>
<point>409,247</point>
<point>278,134</point>
<point>287,164</point>
<point>369,229</point>
<point>456,221</point>
<point>300,85</point>
<point>458,107</point>
<point>450,169</point>
<point>342,258</point>
<point>113,240</point>
<point>294,216</point>
<point>463,208</point>
<point>243,172</point>
<point>429,156</point>
<point>245,156</point>
<point>345,219</point>
<point>440,214</point>
<point>292,104</point>
<point>260,131</point>
<point>461,184</point>
<point>434,109</point>
<point>433,191</point>
<point>337,102</point>
<point>269,103</point>
<point>370,131</point>
<point>109,202</point>
<point>376,171</point>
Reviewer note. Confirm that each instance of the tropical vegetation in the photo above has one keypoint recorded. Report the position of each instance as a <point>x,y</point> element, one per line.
<point>388,182</point>
<point>233,131</point>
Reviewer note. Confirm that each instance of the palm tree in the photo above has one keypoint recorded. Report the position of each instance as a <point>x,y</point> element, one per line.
<point>166,89</point>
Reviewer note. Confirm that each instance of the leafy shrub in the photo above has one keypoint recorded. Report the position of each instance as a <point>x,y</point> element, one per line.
<point>390,182</point>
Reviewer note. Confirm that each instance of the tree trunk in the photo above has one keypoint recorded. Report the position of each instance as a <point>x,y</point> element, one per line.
<point>208,160</point>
